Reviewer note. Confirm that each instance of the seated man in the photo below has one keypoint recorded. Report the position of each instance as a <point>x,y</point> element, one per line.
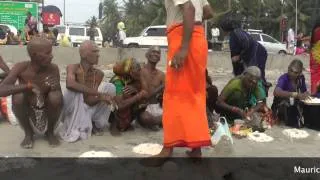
<point>291,88</point>
<point>154,78</point>
<point>136,88</point>
<point>85,109</point>
<point>37,98</point>
<point>242,96</point>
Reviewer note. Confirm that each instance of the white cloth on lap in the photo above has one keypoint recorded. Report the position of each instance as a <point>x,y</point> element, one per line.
<point>154,109</point>
<point>77,117</point>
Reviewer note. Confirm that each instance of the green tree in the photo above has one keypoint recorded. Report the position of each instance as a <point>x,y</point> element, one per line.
<point>92,22</point>
<point>135,16</point>
<point>110,19</point>
<point>303,14</point>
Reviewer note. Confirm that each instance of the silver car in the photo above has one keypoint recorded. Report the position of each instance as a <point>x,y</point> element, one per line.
<point>272,45</point>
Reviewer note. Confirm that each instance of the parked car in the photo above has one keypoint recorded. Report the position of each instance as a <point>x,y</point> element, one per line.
<point>152,35</point>
<point>272,45</point>
<point>78,34</point>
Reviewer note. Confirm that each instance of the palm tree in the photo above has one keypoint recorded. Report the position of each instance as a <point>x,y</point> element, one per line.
<point>111,16</point>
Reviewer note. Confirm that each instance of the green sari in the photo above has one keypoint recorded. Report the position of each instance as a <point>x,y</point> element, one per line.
<point>237,96</point>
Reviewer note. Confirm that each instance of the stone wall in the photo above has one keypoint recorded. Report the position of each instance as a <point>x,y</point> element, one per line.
<point>216,60</point>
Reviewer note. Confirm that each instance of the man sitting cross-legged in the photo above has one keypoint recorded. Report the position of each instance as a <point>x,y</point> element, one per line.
<point>37,98</point>
<point>86,107</point>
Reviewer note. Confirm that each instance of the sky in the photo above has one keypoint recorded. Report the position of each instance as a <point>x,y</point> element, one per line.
<point>77,11</point>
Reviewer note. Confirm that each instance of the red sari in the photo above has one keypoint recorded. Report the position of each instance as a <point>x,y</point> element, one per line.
<point>315,61</point>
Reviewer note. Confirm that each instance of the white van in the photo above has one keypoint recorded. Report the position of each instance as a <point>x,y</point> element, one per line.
<point>78,34</point>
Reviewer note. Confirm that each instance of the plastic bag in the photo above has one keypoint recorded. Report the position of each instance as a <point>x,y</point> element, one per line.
<point>11,116</point>
<point>221,130</point>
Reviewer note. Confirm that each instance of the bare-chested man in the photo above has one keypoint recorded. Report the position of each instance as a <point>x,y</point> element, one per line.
<point>37,98</point>
<point>137,99</point>
<point>154,78</point>
<point>86,100</point>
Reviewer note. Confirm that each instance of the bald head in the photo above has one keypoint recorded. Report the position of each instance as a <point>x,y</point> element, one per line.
<point>37,44</point>
<point>89,51</point>
<point>85,48</point>
<point>153,54</point>
<point>154,48</point>
<point>40,51</point>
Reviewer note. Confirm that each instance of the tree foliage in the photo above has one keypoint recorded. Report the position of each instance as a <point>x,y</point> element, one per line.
<point>110,19</point>
<point>255,14</point>
<point>92,22</point>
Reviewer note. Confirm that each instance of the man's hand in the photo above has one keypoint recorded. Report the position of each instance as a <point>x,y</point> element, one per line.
<point>51,82</point>
<point>105,97</point>
<point>129,90</point>
<point>235,58</point>
<point>179,58</point>
<point>109,100</point>
<point>34,88</point>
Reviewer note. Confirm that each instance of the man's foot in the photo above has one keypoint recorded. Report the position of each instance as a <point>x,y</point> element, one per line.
<point>114,131</point>
<point>130,128</point>
<point>194,153</point>
<point>97,132</point>
<point>27,142</point>
<point>154,128</point>
<point>53,140</point>
<point>159,159</point>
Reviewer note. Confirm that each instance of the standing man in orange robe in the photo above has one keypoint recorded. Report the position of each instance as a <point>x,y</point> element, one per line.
<point>184,102</point>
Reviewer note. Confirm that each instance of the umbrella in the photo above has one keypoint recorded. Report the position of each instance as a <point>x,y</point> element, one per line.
<point>51,9</point>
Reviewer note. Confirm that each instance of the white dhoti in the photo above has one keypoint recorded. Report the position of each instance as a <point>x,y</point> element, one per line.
<point>154,110</point>
<point>77,117</point>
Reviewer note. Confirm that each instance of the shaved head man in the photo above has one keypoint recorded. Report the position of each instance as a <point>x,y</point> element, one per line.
<point>37,98</point>
<point>87,98</point>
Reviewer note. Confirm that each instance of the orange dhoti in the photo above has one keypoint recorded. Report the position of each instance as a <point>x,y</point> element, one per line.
<point>184,102</point>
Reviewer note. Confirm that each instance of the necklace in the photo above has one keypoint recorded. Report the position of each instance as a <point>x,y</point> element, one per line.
<point>84,76</point>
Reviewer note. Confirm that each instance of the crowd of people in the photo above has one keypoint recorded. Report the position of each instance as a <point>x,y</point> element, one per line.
<point>180,101</point>
<point>31,30</point>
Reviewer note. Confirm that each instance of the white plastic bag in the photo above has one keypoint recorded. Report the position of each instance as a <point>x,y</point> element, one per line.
<point>11,117</point>
<point>222,130</point>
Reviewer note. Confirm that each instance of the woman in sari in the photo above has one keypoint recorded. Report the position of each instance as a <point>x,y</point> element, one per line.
<point>315,58</point>
<point>242,96</point>
<point>290,90</point>
<point>125,73</point>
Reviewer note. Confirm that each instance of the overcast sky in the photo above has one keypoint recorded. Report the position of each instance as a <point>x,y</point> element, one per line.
<point>77,11</point>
